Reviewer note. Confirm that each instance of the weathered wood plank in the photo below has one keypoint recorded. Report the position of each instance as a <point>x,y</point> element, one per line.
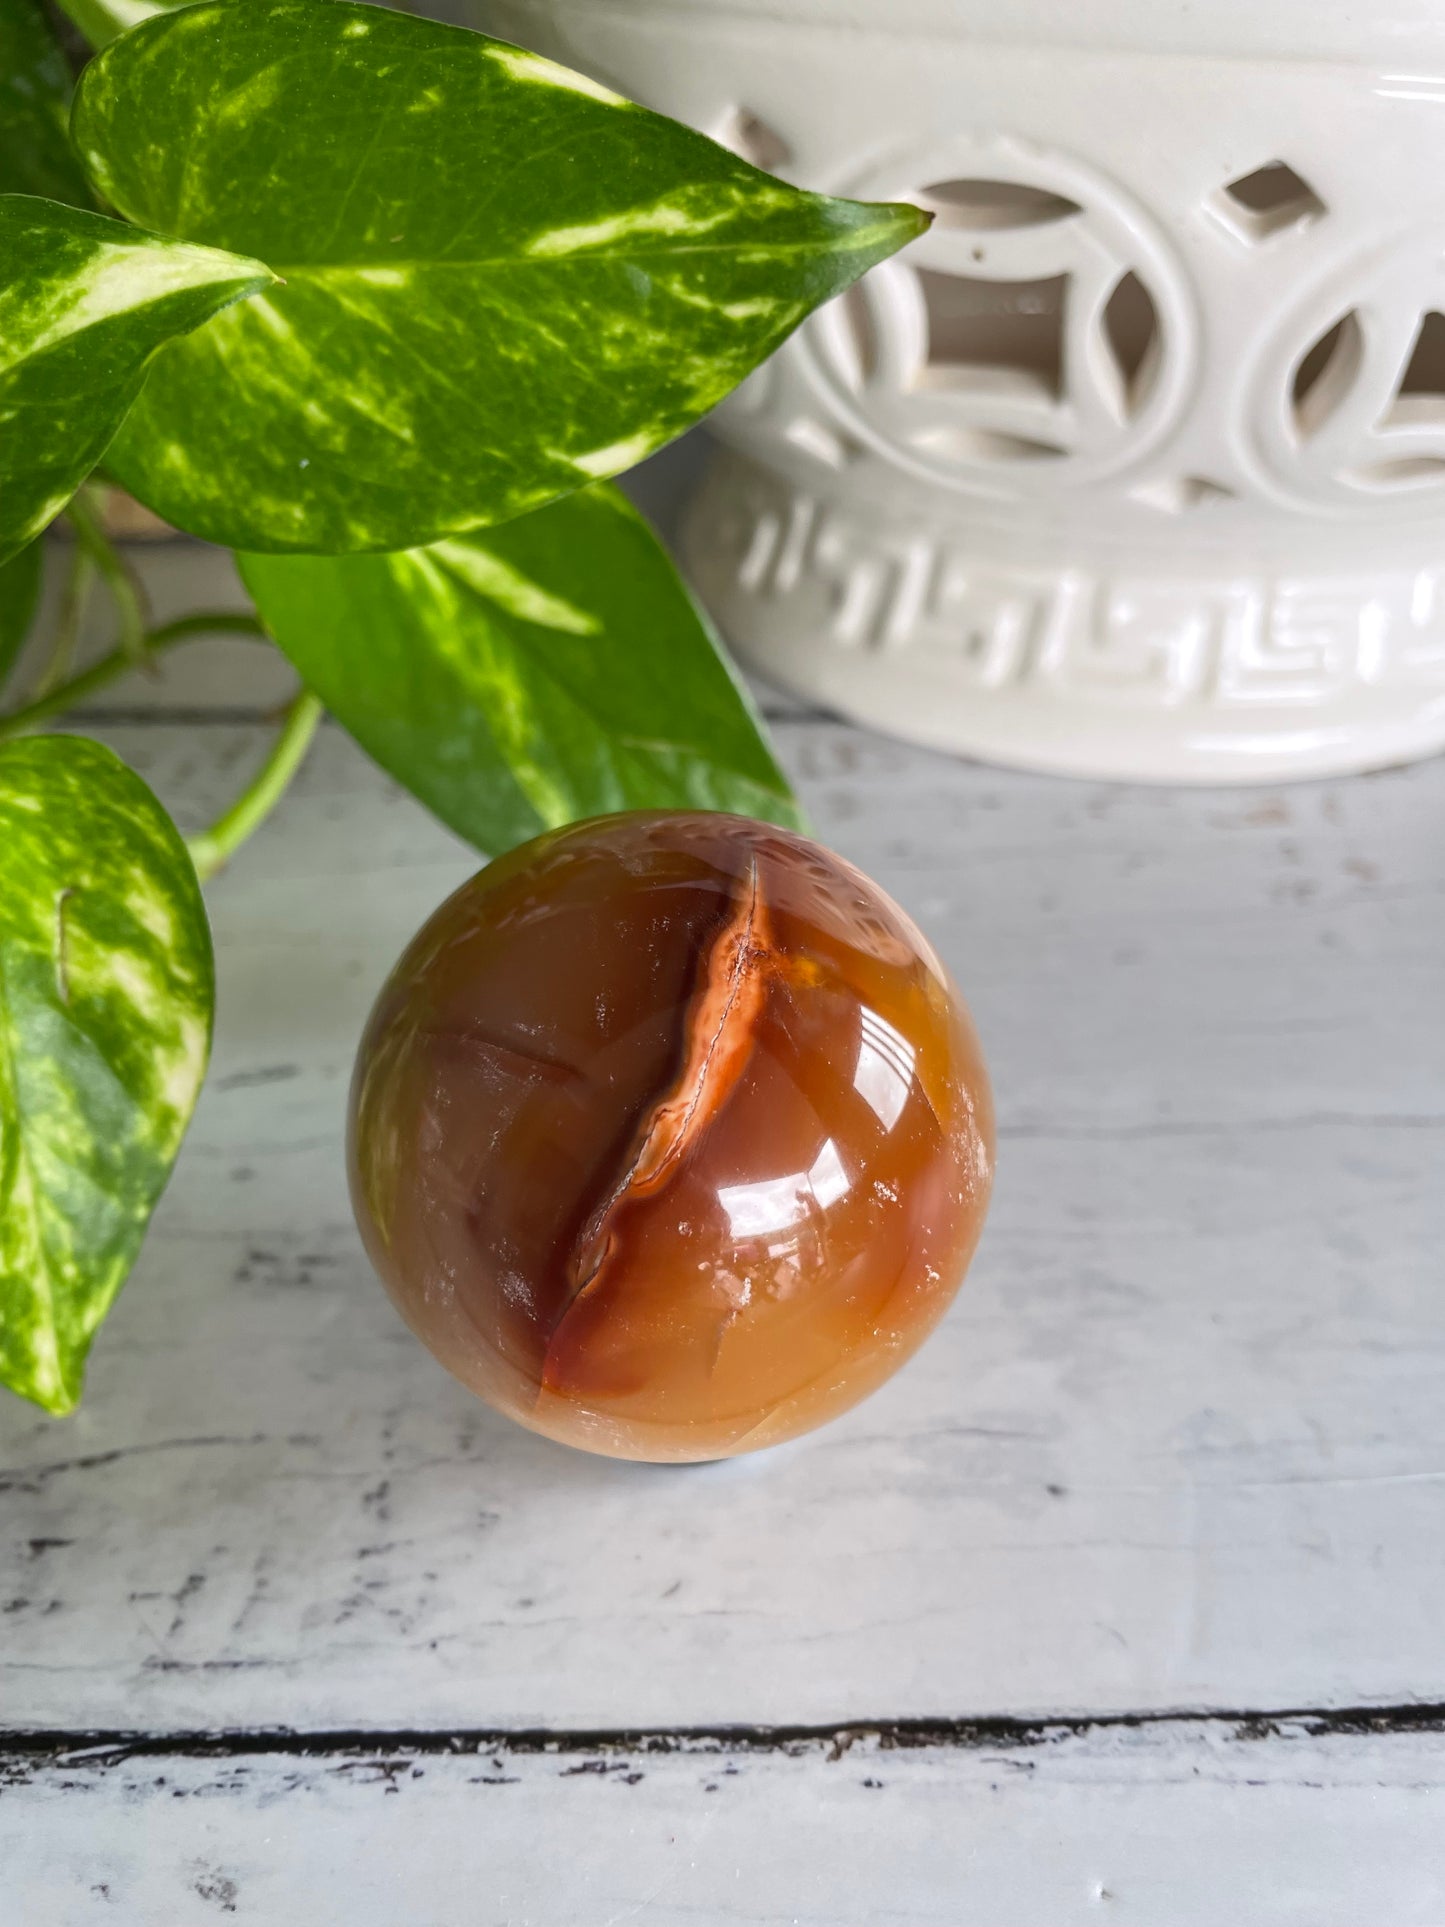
<point>1189,1824</point>
<point>1180,1445</point>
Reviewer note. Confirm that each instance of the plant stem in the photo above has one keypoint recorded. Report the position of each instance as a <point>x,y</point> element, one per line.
<point>112,667</point>
<point>76,594</point>
<point>216,846</point>
<point>116,573</point>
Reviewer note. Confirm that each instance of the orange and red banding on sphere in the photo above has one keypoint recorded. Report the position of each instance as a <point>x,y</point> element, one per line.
<point>670,1135</point>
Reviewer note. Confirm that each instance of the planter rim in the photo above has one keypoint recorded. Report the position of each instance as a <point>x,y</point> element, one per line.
<point>1302,30</point>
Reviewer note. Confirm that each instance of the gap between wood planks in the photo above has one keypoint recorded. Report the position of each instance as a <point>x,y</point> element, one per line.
<point>39,1749</point>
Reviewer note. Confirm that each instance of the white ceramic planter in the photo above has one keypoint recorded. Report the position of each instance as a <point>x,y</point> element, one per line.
<point>1135,465</point>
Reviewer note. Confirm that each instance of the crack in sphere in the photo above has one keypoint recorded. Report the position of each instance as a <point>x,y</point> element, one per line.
<point>670,1135</point>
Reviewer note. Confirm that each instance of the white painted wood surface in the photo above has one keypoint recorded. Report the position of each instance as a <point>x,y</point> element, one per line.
<point>1181,1445</point>
<point>1182,1823</point>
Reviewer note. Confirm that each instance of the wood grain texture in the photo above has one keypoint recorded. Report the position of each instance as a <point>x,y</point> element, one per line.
<point>1190,1824</point>
<point>1180,1444</point>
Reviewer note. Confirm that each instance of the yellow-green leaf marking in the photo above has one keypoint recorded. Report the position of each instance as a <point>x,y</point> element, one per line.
<point>84,304</point>
<point>502,282</point>
<point>106,990</point>
<point>519,678</point>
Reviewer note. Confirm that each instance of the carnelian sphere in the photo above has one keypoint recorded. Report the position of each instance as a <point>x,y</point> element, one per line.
<point>670,1135</point>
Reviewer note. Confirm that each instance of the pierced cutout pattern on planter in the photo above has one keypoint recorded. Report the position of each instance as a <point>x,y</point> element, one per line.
<point>1035,329</point>
<point>1401,471</point>
<point>823,443</point>
<point>857,336</point>
<point>1326,374</point>
<point>1420,398</point>
<point>1178,493</point>
<point>1367,400</point>
<point>1005,337</point>
<point>980,205</point>
<point>751,139</point>
<point>957,442</point>
<point>1266,202</point>
<point>1132,332</point>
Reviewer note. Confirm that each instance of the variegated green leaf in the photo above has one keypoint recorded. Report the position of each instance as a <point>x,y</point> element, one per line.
<point>35,152</point>
<point>502,282</point>
<point>514,680</point>
<point>19,593</point>
<point>106,989</point>
<point>84,305</point>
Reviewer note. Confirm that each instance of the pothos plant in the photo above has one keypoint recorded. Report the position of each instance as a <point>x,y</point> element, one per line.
<point>380,305</point>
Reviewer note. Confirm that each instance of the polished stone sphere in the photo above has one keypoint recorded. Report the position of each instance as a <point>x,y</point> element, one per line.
<point>670,1135</point>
